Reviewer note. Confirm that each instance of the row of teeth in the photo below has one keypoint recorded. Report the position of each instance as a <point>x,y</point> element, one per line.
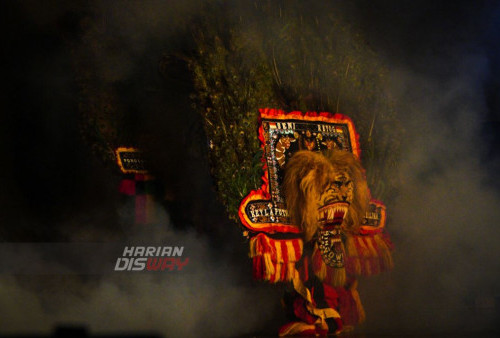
<point>330,212</point>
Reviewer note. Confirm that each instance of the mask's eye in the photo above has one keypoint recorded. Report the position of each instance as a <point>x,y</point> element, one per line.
<point>338,184</point>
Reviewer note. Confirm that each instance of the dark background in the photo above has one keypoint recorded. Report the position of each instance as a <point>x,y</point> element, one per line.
<point>444,60</point>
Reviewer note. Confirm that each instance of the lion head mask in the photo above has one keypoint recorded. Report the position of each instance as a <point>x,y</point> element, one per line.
<point>325,190</point>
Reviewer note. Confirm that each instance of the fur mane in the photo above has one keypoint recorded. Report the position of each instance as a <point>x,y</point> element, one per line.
<point>307,174</point>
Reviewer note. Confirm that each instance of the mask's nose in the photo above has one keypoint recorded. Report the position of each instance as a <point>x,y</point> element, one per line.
<point>344,192</point>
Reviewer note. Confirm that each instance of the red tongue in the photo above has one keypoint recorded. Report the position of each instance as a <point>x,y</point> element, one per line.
<point>338,218</point>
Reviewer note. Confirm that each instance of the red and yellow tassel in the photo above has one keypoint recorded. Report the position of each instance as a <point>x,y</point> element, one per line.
<point>274,259</point>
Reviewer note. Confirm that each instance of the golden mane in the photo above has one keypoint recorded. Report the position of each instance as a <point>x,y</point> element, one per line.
<point>306,175</point>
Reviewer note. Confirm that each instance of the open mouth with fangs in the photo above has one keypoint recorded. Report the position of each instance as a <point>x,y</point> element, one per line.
<point>332,214</point>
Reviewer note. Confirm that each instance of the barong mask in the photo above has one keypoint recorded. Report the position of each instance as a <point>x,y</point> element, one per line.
<point>325,191</point>
<point>326,196</point>
<point>333,205</point>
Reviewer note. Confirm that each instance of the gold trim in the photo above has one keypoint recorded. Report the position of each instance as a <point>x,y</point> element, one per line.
<point>120,164</point>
